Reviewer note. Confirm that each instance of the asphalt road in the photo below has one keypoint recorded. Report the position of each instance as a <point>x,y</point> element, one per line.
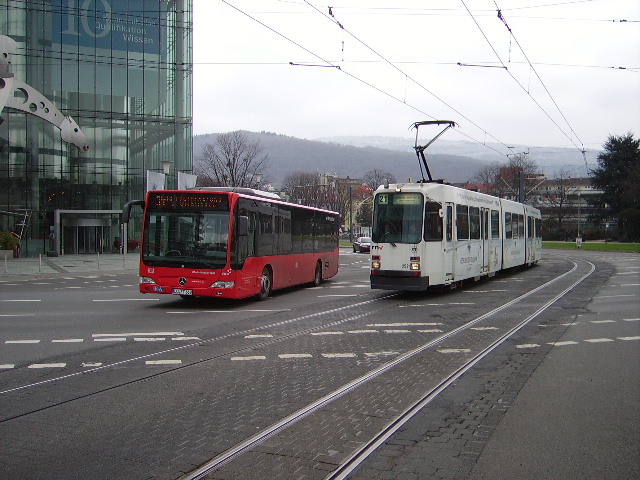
<point>99,381</point>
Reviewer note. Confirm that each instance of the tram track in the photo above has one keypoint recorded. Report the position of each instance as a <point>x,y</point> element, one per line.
<point>234,429</point>
<point>355,458</point>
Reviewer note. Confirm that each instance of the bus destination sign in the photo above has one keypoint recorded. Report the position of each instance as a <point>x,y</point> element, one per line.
<point>188,201</point>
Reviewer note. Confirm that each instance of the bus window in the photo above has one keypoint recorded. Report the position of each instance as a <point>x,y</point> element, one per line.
<point>433,222</point>
<point>462,222</point>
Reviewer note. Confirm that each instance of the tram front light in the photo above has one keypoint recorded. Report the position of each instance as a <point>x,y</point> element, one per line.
<point>221,284</point>
<point>414,266</point>
<point>375,264</point>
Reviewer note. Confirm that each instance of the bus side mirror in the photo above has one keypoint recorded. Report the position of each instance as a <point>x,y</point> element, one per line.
<point>126,210</point>
<point>243,226</point>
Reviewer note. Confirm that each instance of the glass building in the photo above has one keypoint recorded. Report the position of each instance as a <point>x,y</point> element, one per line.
<point>122,70</point>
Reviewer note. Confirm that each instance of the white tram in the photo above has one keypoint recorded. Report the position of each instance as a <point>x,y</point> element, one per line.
<point>430,233</point>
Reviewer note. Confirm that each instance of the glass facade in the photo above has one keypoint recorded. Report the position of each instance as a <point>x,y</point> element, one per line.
<point>122,69</point>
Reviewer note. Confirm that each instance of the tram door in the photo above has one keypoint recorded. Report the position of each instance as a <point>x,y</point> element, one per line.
<point>449,245</point>
<point>484,236</point>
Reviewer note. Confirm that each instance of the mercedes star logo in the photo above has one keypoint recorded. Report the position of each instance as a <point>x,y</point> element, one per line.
<point>182,281</point>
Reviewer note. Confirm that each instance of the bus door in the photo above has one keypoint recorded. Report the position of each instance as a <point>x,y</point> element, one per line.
<point>449,245</point>
<point>484,238</point>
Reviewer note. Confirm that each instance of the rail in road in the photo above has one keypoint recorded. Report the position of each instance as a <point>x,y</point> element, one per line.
<point>307,384</point>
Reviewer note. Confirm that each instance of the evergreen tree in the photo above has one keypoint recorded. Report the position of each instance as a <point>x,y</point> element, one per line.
<point>618,176</point>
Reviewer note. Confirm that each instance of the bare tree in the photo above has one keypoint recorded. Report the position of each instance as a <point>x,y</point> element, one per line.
<point>376,177</point>
<point>557,195</point>
<point>489,175</point>
<point>504,180</point>
<point>232,160</point>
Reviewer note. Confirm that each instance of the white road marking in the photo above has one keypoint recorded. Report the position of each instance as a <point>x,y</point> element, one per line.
<point>163,362</point>
<point>381,354</point>
<point>631,319</point>
<point>47,365</point>
<point>92,364</point>
<point>561,344</point>
<point>17,315</point>
<point>628,338</point>
<point>68,340</point>
<point>327,333</point>
<point>262,335</point>
<point>7,365</point>
<point>16,300</point>
<point>454,350</point>
<point>22,341</point>
<point>136,334</point>
<point>527,345</point>
<point>483,328</point>
<point>603,321</point>
<point>295,355</point>
<point>124,299</point>
<point>185,338</point>
<point>431,330</point>
<point>323,296</point>
<point>110,339</point>
<point>339,355</point>
<point>417,324</point>
<point>445,304</point>
<point>254,357</point>
<point>616,296</point>
<point>148,339</point>
<point>363,331</point>
<point>397,331</point>
<point>598,340</point>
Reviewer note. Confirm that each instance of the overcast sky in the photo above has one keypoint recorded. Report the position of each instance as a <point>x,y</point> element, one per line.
<point>568,74</point>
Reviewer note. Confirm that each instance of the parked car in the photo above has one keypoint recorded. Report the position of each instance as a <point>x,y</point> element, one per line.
<point>362,244</point>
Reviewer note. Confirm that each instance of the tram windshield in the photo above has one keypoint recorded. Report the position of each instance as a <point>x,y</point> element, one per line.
<point>397,217</point>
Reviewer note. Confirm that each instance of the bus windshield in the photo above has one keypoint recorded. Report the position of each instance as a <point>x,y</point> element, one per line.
<point>397,217</point>
<point>186,239</point>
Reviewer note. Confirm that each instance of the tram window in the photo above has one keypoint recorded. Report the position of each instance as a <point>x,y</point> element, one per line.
<point>495,224</point>
<point>474,223</point>
<point>432,222</point>
<point>462,222</point>
<point>508,232</point>
<point>520,226</point>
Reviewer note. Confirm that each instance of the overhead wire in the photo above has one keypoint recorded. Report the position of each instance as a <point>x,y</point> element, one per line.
<point>518,82</point>
<point>504,21</point>
<point>354,76</point>
<point>333,19</point>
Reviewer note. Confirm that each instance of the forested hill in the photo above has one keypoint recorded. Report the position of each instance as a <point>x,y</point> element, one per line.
<point>289,154</point>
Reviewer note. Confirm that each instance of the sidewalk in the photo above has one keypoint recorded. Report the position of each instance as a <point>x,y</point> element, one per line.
<point>41,265</point>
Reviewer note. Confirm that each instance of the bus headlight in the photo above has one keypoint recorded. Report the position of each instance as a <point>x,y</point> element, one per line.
<point>147,280</point>
<point>221,284</point>
<point>414,266</point>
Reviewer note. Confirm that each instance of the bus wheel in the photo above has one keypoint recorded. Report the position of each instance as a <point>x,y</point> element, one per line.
<point>317,278</point>
<point>265,284</point>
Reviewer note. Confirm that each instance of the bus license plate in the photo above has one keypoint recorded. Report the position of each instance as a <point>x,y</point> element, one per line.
<point>181,291</point>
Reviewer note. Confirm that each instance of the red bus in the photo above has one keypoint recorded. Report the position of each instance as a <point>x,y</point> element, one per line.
<point>232,243</point>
